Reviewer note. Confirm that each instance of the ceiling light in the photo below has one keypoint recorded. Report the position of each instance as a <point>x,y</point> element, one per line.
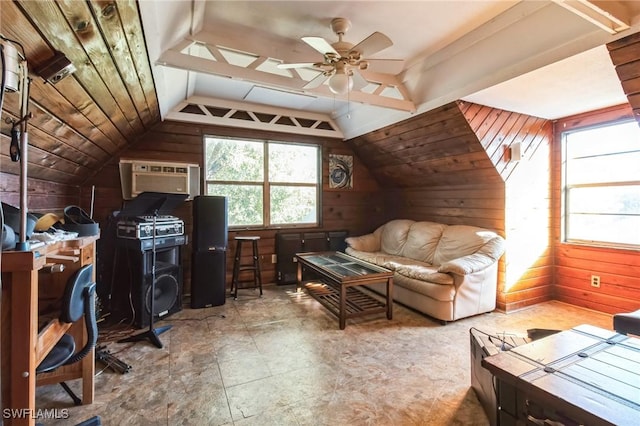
<point>340,83</point>
<point>56,68</point>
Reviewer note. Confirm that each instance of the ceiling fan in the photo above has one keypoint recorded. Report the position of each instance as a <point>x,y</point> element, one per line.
<point>342,60</point>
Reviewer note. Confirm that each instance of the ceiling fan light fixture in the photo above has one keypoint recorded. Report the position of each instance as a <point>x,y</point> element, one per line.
<point>340,83</point>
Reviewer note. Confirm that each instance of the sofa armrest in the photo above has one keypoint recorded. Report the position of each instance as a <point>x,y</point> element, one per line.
<point>486,256</point>
<point>467,264</point>
<point>368,242</point>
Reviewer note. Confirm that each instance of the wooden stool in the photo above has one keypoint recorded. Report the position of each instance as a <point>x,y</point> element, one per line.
<point>239,267</point>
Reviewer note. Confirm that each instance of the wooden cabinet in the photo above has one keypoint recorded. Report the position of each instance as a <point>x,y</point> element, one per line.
<point>290,243</point>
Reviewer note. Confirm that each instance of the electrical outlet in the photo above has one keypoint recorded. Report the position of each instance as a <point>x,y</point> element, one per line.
<point>595,281</point>
<point>274,258</point>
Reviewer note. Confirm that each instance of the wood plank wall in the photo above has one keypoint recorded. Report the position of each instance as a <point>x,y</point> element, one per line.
<point>528,262</point>
<point>625,55</point>
<point>434,148</point>
<point>516,203</point>
<point>450,165</point>
<point>434,168</point>
<point>478,205</point>
<point>357,210</point>
<point>619,269</point>
<point>42,196</point>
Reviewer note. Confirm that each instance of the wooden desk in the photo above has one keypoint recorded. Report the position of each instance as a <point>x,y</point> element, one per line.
<point>22,347</point>
<point>586,375</point>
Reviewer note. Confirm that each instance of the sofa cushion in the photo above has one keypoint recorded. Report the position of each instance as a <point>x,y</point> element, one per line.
<point>367,256</point>
<point>394,236</point>
<point>393,262</point>
<point>379,258</point>
<point>422,241</point>
<point>460,240</point>
<point>368,242</point>
<point>443,293</point>
<point>424,273</point>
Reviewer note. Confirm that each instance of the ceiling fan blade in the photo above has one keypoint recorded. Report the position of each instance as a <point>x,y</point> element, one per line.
<point>300,65</point>
<point>372,44</point>
<point>316,81</point>
<point>386,66</point>
<point>359,81</point>
<point>321,45</point>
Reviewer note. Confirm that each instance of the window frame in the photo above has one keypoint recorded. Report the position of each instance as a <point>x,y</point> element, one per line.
<point>266,185</point>
<point>565,187</point>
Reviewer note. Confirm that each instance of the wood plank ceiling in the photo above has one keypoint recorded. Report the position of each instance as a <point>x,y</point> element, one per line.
<point>625,55</point>
<point>438,147</point>
<point>89,117</point>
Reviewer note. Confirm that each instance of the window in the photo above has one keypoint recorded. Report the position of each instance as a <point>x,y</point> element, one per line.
<point>602,184</point>
<point>267,184</point>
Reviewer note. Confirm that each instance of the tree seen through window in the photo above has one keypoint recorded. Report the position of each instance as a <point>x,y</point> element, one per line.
<point>266,183</point>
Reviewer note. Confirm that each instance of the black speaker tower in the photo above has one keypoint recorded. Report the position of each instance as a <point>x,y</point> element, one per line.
<point>208,269</point>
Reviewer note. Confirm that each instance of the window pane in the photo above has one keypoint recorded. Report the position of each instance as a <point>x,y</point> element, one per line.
<point>602,167</point>
<point>238,170</point>
<point>234,160</point>
<point>620,137</point>
<point>244,203</point>
<point>604,228</point>
<point>293,204</point>
<point>608,168</point>
<point>610,200</point>
<point>293,163</point>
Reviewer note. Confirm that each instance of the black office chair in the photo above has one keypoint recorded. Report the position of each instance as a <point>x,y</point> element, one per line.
<point>78,299</point>
<point>627,323</point>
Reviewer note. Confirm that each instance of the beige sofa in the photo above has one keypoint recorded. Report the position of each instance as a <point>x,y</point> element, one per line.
<point>445,271</point>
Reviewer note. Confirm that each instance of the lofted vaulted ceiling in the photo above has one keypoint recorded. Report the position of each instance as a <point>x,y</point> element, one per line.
<point>84,120</point>
<point>140,62</point>
<point>543,58</point>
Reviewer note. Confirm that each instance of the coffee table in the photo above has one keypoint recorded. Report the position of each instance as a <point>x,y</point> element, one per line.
<point>336,289</point>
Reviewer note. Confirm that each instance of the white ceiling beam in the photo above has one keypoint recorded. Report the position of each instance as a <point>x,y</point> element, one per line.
<point>262,109</point>
<point>174,59</point>
<point>483,57</point>
<point>215,52</point>
<point>369,99</point>
<point>246,124</point>
<point>385,79</point>
<point>252,109</point>
<point>610,16</point>
<point>270,45</point>
<point>259,61</point>
<point>183,45</point>
<point>469,40</point>
<point>295,52</point>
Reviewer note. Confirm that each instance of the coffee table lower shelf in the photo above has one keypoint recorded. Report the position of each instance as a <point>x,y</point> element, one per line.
<point>357,302</point>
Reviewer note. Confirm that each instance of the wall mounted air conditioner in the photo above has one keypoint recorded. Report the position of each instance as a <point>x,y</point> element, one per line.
<point>138,176</point>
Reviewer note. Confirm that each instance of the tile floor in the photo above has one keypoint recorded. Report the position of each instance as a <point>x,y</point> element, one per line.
<point>282,360</point>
